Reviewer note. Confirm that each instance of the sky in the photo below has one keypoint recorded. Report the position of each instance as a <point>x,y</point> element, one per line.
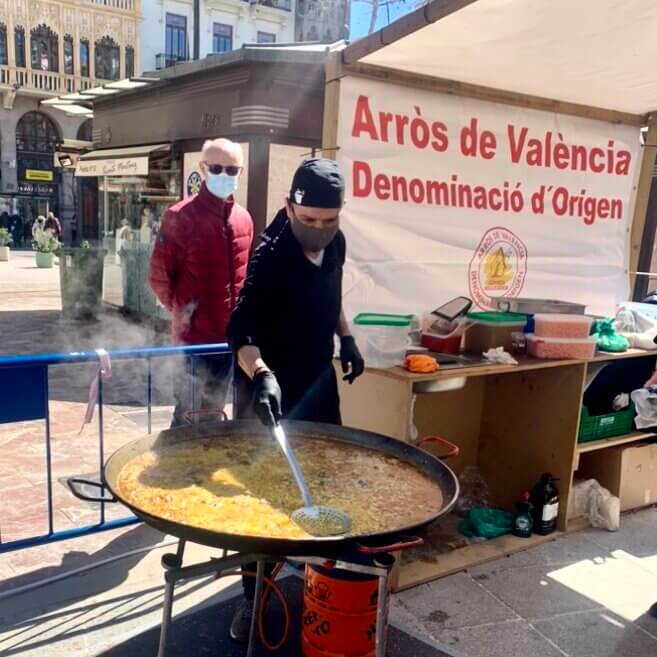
<point>361,11</point>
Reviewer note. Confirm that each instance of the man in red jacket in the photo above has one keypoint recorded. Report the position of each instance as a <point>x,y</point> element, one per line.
<point>198,268</point>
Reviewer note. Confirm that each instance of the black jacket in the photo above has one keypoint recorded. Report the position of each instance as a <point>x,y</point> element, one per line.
<point>289,308</point>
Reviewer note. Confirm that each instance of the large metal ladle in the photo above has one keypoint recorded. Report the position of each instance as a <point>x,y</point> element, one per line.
<point>315,520</point>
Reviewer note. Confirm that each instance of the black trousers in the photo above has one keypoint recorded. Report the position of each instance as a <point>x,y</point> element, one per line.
<point>319,403</point>
<point>204,384</point>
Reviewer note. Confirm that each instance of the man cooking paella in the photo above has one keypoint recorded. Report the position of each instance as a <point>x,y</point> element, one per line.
<point>283,328</point>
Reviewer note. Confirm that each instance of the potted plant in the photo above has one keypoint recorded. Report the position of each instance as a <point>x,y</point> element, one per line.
<point>5,240</point>
<point>46,245</point>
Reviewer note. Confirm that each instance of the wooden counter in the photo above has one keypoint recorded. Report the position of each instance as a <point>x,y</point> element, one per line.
<point>512,422</point>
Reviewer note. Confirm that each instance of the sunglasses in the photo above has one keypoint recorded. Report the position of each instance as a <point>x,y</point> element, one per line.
<point>216,169</point>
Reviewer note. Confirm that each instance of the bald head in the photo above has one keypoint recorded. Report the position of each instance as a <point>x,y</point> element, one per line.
<point>221,151</point>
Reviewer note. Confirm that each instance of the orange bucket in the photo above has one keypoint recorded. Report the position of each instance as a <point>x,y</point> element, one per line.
<point>339,613</point>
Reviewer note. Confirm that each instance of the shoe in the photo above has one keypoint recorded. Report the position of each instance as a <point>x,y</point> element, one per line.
<point>241,624</point>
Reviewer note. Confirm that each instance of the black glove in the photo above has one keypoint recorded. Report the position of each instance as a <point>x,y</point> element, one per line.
<point>267,398</point>
<point>350,358</point>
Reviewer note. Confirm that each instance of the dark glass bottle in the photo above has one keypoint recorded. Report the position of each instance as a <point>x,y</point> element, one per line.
<point>545,499</point>
<point>524,521</point>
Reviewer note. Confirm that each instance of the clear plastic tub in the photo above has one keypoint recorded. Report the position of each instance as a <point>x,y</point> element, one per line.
<point>562,326</point>
<point>560,348</point>
<point>382,339</point>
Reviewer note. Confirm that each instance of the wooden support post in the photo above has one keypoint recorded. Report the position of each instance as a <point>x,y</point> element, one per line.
<point>258,182</point>
<point>331,106</point>
<point>641,200</point>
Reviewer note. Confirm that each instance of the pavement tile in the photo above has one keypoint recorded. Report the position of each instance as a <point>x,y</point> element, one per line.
<point>510,639</point>
<point>637,535</point>
<point>647,622</point>
<point>597,634</point>
<point>620,584</point>
<point>453,602</point>
<point>532,594</point>
<point>562,551</point>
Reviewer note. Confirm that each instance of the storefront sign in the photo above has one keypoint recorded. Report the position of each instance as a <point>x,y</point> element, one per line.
<point>36,189</point>
<point>125,166</point>
<point>39,175</point>
<point>449,196</point>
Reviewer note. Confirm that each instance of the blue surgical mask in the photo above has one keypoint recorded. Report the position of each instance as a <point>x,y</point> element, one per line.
<point>221,184</point>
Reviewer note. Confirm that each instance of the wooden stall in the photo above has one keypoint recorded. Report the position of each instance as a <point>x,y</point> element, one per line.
<point>512,422</point>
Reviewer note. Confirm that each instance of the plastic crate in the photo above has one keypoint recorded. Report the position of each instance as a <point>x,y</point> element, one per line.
<point>599,427</point>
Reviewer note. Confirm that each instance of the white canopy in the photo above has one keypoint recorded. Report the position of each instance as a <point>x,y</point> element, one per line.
<point>598,53</point>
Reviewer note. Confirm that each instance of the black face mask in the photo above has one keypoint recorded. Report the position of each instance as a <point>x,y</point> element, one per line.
<point>312,239</point>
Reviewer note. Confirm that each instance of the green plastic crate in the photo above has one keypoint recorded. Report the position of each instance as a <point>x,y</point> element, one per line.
<point>599,427</point>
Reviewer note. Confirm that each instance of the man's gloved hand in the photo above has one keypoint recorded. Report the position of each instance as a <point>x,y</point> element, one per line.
<point>353,364</point>
<point>267,398</point>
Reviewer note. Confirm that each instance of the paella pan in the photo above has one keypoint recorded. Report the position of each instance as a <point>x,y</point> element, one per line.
<point>227,485</point>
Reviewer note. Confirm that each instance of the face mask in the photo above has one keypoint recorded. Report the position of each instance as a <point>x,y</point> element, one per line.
<point>221,184</point>
<point>312,239</point>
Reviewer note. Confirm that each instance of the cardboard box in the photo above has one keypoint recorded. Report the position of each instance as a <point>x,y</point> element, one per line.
<point>627,472</point>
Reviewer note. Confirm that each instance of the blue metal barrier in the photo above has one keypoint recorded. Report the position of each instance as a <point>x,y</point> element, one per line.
<point>24,396</point>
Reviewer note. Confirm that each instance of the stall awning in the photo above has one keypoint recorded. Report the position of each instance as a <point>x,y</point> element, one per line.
<point>595,53</point>
<point>130,161</point>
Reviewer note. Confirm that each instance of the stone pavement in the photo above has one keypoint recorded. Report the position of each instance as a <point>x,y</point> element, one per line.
<point>583,595</point>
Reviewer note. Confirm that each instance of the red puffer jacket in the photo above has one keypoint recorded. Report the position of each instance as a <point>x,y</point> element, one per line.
<point>199,264</point>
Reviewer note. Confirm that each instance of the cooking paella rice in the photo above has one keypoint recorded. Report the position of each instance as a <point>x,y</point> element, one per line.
<point>243,485</point>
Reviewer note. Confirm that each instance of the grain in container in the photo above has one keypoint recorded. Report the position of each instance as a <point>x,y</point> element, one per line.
<point>560,348</point>
<point>492,329</point>
<point>562,326</point>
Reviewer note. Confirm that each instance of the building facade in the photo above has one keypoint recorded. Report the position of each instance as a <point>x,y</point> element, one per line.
<point>168,32</point>
<point>49,48</point>
<point>325,21</point>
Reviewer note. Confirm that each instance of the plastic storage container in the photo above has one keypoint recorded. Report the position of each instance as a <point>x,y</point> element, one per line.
<point>609,425</point>
<point>492,329</point>
<point>562,326</point>
<point>450,344</point>
<point>560,348</point>
<point>383,339</point>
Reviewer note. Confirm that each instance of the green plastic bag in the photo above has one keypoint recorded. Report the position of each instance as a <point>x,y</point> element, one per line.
<point>487,523</point>
<point>608,339</point>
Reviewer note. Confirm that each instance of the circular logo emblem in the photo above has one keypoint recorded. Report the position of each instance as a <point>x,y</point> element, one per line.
<point>194,183</point>
<point>498,267</point>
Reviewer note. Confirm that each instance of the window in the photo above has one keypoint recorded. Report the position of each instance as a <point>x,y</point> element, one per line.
<point>85,131</point>
<point>68,54</point>
<point>176,39</point>
<point>266,37</point>
<point>44,49</point>
<point>37,136</point>
<point>129,61</point>
<point>222,38</point>
<point>108,59</point>
<point>4,53</point>
<point>19,47</point>
<point>84,58</point>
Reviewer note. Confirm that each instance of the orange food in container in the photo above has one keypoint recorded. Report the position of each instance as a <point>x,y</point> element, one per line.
<point>560,348</point>
<point>562,326</point>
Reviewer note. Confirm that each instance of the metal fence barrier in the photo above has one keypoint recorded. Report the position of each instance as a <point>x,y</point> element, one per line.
<point>24,396</point>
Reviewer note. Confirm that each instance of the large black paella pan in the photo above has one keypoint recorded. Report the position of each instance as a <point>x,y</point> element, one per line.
<point>225,485</point>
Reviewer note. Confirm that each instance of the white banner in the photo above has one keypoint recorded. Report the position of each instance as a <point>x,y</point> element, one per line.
<point>449,196</point>
<point>123,166</point>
